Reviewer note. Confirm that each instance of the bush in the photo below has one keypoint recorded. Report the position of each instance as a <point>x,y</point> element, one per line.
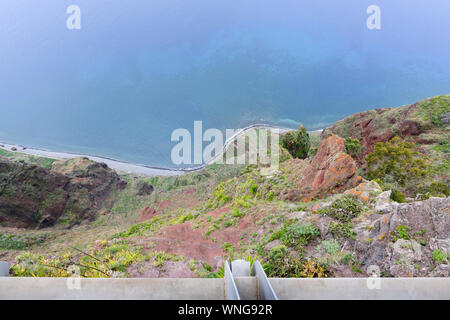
<point>341,230</point>
<point>398,163</point>
<point>297,143</point>
<point>397,196</point>
<point>296,235</point>
<point>345,208</point>
<point>402,232</point>
<point>440,256</point>
<point>313,269</point>
<point>328,246</point>
<point>434,189</point>
<point>352,146</point>
<point>281,263</point>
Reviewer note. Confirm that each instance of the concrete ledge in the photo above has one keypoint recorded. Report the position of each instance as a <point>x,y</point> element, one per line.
<point>357,288</point>
<point>214,289</point>
<point>112,289</point>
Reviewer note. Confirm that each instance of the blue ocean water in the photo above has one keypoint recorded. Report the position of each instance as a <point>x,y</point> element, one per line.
<point>137,70</point>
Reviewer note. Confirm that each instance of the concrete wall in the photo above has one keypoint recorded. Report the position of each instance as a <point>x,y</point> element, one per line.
<point>206,289</point>
<point>357,288</point>
<point>112,289</point>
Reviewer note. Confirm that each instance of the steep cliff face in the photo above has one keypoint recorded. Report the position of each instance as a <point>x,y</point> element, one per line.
<point>72,190</point>
<point>30,195</point>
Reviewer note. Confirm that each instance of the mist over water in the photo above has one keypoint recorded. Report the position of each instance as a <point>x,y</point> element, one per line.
<point>137,70</point>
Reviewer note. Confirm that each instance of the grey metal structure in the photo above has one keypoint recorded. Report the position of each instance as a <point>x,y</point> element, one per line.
<point>231,291</point>
<point>4,269</point>
<point>265,289</point>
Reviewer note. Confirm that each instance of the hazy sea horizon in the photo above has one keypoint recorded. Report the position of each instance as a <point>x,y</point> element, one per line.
<point>119,86</point>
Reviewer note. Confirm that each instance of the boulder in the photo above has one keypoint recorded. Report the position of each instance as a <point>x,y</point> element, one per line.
<point>365,190</point>
<point>442,270</point>
<point>331,170</point>
<point>384,203</point>
<point>433,215</point>
<point>406,257</point>
<point>427,222</point>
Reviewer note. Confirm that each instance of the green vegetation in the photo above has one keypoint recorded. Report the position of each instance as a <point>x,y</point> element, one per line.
<point>344,209</point>
<point>137,230</point>
<point>434,189</point>
<point>282,263</point>
<point>399,164</point>
<point>104,261</point>
<point>297,143</point>
<point>296,235</point>
<point>440,256</point>
<point>315,140</point>
<point>433,109</point>
<point>402,232</point>
<point>329,246</point>
<point>397,196</point>
<point>442,146</point>
<point>341,230</point>
<point>22,242</point>
<point>29,159</point>
<point>159,257</point>
<point>352,146</point>
<point>228,247</point>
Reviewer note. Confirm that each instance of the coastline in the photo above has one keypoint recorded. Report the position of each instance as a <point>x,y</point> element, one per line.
<point>128,167</point>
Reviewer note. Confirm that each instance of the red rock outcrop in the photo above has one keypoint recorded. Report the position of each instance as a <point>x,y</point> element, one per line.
<point>331,170</point>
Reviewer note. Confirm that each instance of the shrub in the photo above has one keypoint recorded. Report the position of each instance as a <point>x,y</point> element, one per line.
<point>440,256</point>
<point>345,208</point>
<point>297,143</point>
<point>228,247</point>
<point>297,235</point>
<point>313,269</point>
<point>253,189</point>
<point>341,230</point>
<point>281,263</point>
<point>434,189</point>
<point>402,232</point>
<point>398,163</point>
<point>270,196</point>
<point>330,246</point>
<point>352,146</point>
<point>236,213</point>
<point>397,196</point>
